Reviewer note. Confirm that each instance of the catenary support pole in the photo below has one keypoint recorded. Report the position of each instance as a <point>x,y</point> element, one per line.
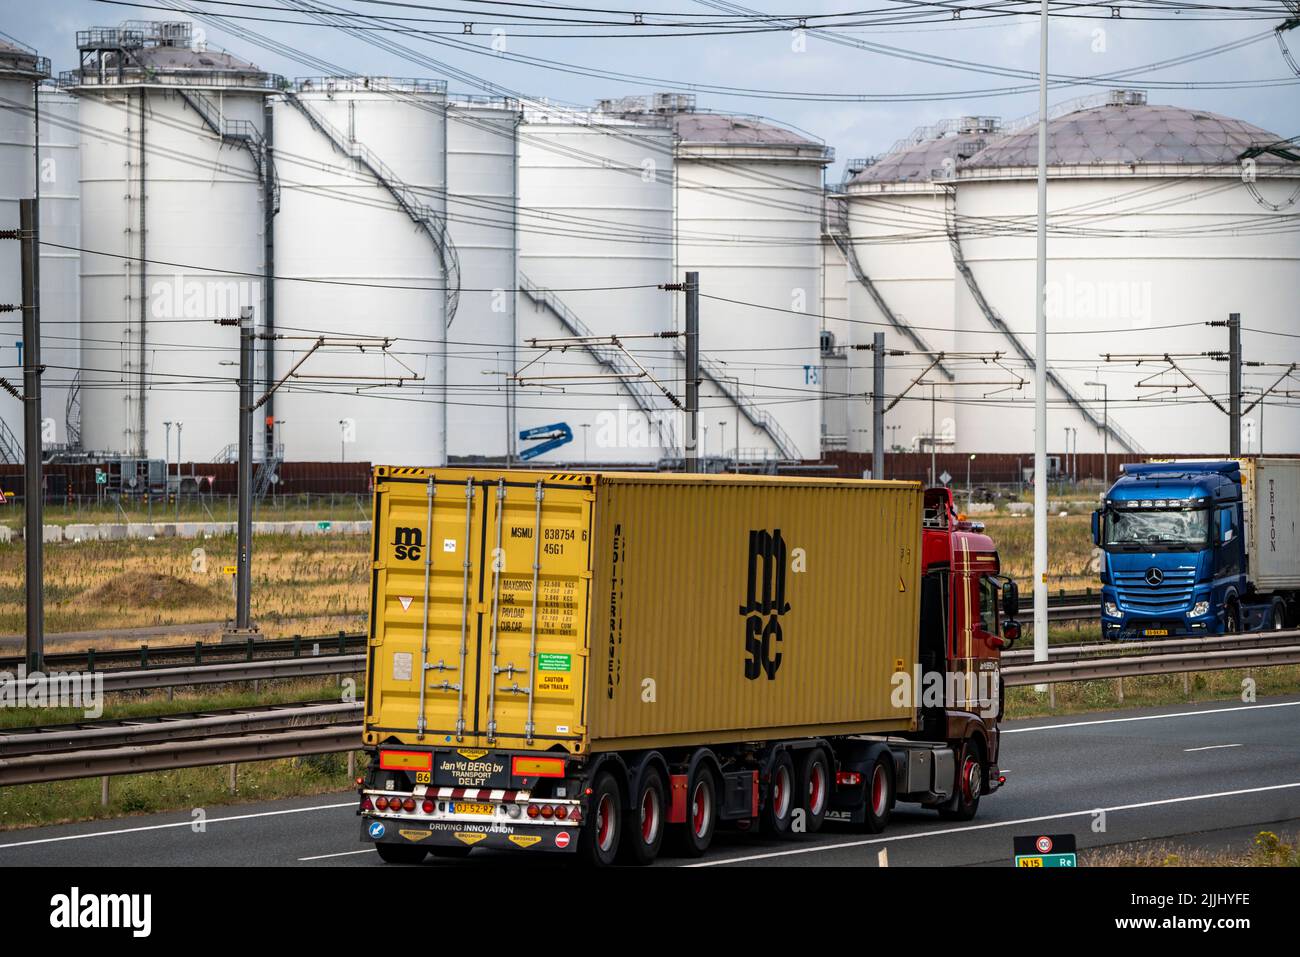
<point>33,477</point>
<point>1234,383</point>
<point>878,405</point>
<point>692,370</point>
<point>1040,363</point>
<point>243,569</point>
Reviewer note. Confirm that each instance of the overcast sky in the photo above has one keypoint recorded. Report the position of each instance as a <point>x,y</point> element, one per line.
<point>771,61</point>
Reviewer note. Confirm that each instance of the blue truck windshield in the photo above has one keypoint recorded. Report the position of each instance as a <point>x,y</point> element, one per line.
<point>1151,528</point>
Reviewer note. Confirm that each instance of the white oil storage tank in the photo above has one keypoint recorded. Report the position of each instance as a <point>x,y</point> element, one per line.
<point>60,185</point>
<point>595,243</point>
<point>20,72</point>
<point>1161,220</point>
<point>171,226</point>
<point>900,279</point>
<point>748,204</point>
<point>481,344</point>
<point>363,258</point>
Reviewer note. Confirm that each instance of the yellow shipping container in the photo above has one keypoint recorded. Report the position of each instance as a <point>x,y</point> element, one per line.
<point>604,611</point>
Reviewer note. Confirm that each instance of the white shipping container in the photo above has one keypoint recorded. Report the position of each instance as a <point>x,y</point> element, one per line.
<point>1270,492</point>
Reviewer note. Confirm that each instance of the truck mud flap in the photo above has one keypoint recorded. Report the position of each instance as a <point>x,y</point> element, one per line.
<point>506,837</point>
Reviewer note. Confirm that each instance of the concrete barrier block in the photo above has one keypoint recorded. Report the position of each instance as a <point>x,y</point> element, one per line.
<point>52,533</point>
<point>1021,508</point>
<point>81,533</point>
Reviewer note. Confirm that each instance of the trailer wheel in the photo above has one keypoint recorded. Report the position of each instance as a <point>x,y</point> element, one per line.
<point>599,838</point>
<point>814,787</point>
<point>692,838</point>
<point>1277,615</point>
<point>879,794</point>
<point>970,785</point>
<point>401,853</point>
<point>781,796</point>
<point>643,823</point>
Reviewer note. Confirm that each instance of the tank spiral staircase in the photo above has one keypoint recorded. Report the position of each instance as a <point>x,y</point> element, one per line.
<point>11,447</point>
<point>610,357</point>
<point>836,229</point>
<point>420,213</point>
<point>959,260</point>
<point>757,416</point>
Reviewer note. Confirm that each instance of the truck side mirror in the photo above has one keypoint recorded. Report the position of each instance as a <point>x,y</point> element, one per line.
<point>1096,526</point>
<point>1010,599</point>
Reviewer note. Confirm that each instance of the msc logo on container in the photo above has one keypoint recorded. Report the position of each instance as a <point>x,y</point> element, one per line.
<point>407,543</point>
<point>765,603</point>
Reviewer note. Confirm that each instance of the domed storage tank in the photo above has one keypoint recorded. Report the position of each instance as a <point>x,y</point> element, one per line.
<point>20,71</point>
<point>171,136</point>
<point>900,277</point>
<point>749,217</point>
<point>481,347</point>
<point>360,245</point>
<point>595,242</point>
<point>1156,226</point>
<point>60,185</point>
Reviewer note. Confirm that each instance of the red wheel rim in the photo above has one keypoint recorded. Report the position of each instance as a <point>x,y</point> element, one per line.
<point>970,779</point>
<point>878,792</point>
<point>781,793</point>
<point>605,823</point>
<point>701,809</point>
<point>649,816</point>
<point>817,788</point>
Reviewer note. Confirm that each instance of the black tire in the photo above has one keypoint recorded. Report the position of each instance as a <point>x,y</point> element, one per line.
<point>401,853</point>
<point>969,784</point>
<point>458,853</point>
<point>603,829</point>
<point>1232,619</point>
<point>692,838</point>
<point>814,777</point>
<point>878,794</point>
<point>645,822</point>
<point>1277,615</point>
<point>782,796</point>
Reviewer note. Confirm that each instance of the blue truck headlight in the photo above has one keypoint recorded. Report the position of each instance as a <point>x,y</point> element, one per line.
<point>1199,609</point>
<point>1110,609</point>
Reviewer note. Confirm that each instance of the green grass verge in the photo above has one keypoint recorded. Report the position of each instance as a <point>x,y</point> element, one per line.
<point>1266,849</point>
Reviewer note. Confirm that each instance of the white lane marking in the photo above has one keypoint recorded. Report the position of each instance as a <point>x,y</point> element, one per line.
<point>984,827</point>
<point>1152,717</point>
<point>321,857</point>
<point>1210,747</point>
<point>161,827</point>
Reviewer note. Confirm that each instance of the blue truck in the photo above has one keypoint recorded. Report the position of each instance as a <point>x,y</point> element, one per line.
<point>1196,548</point>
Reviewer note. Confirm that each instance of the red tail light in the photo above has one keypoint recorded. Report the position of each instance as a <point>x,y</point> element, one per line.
<point>575,816</point>
<point>408,804</point>
<point>847,778</point>
<point>427,806</point>
<point>548,812</point>
<point>561,812</point>
<point>534,810</point>
<point>381,804</point>
<point>366,803</point>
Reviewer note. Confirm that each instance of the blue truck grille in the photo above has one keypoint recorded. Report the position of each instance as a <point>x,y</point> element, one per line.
<point>1136,594</point>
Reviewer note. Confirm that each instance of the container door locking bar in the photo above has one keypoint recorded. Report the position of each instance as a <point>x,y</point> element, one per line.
<point>464,613</point>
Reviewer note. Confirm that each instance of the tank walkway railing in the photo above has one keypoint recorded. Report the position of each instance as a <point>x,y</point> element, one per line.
<point>837,229</point>
<point>959,260</point>
<point>11,447</point>
<point>72,412</point>
<point>265,471</point>
<point>238,133</point>
<point>611,357</point>
<point>758,417</point>
<point>423,215</point>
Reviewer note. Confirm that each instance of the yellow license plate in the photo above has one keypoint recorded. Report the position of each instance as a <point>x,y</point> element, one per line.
<point>462,808</point>
<point>1029,862</point>
<point>1157,632</point>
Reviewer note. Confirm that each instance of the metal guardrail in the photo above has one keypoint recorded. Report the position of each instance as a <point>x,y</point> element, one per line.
<point>1132,666</point>
<point>199,653</point>
<point>1109,649</point>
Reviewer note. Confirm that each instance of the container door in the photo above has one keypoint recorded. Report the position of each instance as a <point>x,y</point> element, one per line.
<point>428,538</point>
<point>532,660</point>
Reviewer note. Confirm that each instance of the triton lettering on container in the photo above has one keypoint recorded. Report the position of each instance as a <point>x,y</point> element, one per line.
<point>588,663</point>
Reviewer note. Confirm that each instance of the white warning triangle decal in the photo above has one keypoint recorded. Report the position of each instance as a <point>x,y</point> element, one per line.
<point>406,601</point>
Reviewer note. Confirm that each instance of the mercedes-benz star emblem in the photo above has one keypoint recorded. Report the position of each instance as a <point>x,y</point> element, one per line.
<point>1155,576</point>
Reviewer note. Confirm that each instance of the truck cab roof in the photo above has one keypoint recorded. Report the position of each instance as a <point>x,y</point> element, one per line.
<point>1177,482</point>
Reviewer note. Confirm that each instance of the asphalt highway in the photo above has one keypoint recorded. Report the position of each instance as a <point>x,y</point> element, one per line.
<point>1207,775</point>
